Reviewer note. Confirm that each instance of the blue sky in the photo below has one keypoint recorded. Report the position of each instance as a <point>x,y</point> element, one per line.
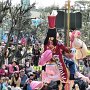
<point>44,3</point>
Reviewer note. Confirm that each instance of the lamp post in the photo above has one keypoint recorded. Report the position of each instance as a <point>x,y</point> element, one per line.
<point>68,22</point>
<point>67,85</point>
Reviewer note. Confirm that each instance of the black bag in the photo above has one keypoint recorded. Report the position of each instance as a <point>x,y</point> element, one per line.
<point>82,84</point>
<point>53,86</point>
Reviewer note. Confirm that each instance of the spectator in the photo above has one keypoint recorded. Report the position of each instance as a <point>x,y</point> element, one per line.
<point>36,54</point>
<point>27,84</point>
<point>18,53</point>
<point>23,41</point>
<point>86,68</point>
<point>29,42</point>
<point>24,77</point>
<point>16,80</point>
<point>4,84</point>
<point>12,67</point>
<point>2,71</point>
<point>1,81</point>
<point>28,68</point>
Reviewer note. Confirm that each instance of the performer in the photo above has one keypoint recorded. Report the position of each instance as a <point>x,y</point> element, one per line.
<point>51,43</point>
<point>78,44</point>
<point>51,72</point>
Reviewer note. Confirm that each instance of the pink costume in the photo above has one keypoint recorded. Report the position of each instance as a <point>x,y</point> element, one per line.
<point>51,73</point>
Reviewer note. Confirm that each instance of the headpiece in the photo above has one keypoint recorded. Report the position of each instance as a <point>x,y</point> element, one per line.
<point>51,28</point>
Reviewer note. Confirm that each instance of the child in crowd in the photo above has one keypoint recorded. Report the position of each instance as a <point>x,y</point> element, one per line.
<point>5,83</point>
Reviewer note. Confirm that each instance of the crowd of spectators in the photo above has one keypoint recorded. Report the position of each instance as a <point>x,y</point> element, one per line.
<point>22,71</point>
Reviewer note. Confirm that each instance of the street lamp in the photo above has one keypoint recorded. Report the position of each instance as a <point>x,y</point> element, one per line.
<point>67,7</point>
<point>68,22</point>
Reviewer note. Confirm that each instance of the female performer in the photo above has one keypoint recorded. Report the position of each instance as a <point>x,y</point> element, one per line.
<point>51,43</point>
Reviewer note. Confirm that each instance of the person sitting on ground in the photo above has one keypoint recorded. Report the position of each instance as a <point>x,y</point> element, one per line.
<point>2,71</point>
<point>24,77</point>
<point>26,85</point>
<point>12,67</point>
<point>5,83</point>
<point>16,80</point>
<point>28,68</point>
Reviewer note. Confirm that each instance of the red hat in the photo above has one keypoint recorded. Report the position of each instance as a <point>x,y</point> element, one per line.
<point>51,21</point>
